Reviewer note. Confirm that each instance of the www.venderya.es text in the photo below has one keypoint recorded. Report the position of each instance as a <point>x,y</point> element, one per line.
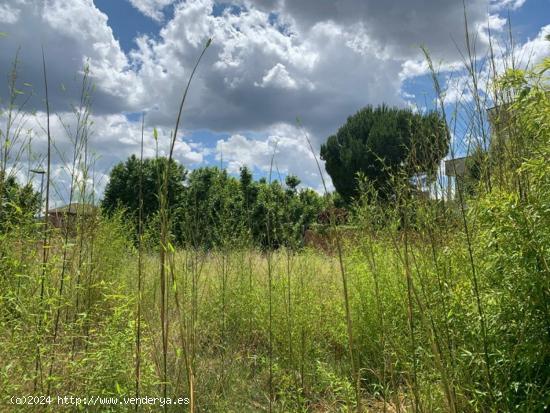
<point>99,401</point>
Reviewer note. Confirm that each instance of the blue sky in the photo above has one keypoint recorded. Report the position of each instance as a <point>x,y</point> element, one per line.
<point>270,62</point>
<point>127,22</point>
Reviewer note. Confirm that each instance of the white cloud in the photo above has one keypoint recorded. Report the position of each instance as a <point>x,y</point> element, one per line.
<point>73,33</point>
<point>413,68</point>
<point>525,55</point>
<point>111,139</point>
<point>278,76</point>
<point>152,8</point>
<point>254,67</point>
<point>275,66</point>
<point>534,50</point>
<point>270,61</point>
<point>458,89</point>
<point>8,14</point>
<point>285,144</point>
<point>489,31</point>
<point>496,22</point>
<point>507,4</point>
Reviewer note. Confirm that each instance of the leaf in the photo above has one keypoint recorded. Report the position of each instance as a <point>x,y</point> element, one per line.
<point>16,207</point>
<point>171,247</point>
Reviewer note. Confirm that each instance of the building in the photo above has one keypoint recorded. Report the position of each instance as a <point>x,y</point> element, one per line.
<point>455,169</point>
<point>68,216</point>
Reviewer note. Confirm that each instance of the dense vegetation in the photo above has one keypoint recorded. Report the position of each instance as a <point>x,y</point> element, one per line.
<point>430,304</point>
<point>223,209</point>
<point>18,203</point>
<point>381,142</point>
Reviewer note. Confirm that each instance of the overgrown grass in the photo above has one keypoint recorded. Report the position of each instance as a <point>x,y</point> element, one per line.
<point>230,358</point>
<point>426,305</point>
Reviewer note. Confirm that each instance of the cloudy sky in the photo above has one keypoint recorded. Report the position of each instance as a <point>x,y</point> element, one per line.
<point>270,62</point>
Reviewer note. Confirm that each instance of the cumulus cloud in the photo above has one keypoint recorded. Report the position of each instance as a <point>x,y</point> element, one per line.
<point>111,139</point>
<point>152,8</point>
<point>270,61</point>
<point>285,145</point>
<point>8,15</point>
<point>74,34</point>
<point>507,4</point>
<point>398,27</point>
<point>278,76</point>
<point>528,54</point>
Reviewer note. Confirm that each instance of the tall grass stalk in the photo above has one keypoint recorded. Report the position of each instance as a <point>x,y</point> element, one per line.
<point>82,113</point>
<point>140,264</point>
<point>369,218</point>
<point>84,227</point>
<point>45,238</point>
<point>349,324</point>
<point>165,222</point>
<point>13,138</point>
<point>404,217</point>
<point>269,257</point>
<point>466,228</point>
<point>185,345</point>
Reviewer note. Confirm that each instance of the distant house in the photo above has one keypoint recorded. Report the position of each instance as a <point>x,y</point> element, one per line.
<point>455,169</point>
<point>68,216</point>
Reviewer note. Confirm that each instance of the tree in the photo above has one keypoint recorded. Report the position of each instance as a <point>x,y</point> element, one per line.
<point>18,203</point>
<point>378,143</point>
<point>211,213</point>
<point>292,182</point>
<point>122,191</point>
<point>212,209</point>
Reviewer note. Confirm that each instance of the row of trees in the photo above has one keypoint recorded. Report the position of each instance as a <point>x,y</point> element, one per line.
<point>213,209</point>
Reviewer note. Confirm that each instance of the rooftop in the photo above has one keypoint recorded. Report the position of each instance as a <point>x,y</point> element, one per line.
<point>74,208</point>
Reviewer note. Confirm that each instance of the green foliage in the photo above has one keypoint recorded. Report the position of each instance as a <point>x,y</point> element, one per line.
<point>515,238</point>
<point>212,209</point>
<point>210,213</point>
<point>18,203</point>
<point>446,306</point>
<point>122,191</point>
<point>379,142</point>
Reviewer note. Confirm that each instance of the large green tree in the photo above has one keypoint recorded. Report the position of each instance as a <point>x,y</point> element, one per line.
<point>122,191</point>
<point>381,142</point>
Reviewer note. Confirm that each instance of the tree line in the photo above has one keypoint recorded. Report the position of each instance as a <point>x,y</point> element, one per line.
<point>209,208</point>
<point>212,209</point>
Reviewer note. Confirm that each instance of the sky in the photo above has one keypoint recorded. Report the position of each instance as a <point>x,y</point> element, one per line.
<point>270,62</point>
